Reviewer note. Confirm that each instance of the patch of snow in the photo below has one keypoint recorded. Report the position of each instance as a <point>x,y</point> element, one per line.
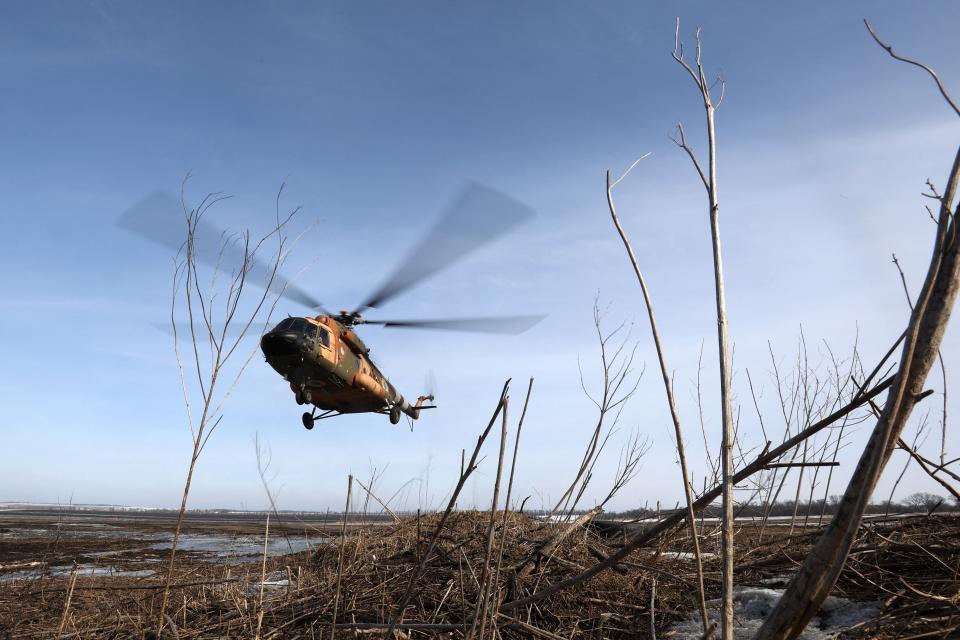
<point>275,581</point>
<point>687,555</point>
<point>751,606</point>
<point>776,581</point>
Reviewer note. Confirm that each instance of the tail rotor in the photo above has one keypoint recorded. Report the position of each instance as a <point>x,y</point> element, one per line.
<point>429,386</point>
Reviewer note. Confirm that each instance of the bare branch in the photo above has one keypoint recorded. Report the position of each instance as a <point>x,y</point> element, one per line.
<point>933,74</point>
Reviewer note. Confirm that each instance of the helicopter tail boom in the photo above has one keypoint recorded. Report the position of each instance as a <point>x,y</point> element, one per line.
<point>413,410</point>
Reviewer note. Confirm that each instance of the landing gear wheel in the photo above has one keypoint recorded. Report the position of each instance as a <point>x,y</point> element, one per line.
<point>308,420</point>
<point>304,396</point>
<point>394,415</point>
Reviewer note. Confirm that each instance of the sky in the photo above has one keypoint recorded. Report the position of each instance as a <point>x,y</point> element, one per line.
<point>373,115</point>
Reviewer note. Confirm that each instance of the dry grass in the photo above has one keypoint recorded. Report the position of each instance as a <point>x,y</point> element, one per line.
<point>910,565</point>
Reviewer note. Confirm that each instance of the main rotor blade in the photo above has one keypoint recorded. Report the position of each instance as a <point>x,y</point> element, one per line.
<point>510,325</point>
<point>476,216</point>
<point>159,218</point>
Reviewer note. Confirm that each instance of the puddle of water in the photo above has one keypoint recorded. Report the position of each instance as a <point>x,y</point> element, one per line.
<point>71,531</point>
<point>83,571</point>
<point>239,549</point>
<point>28,533</point>
<point>19,575</point>
<point>208,546</point>
<point>105,554</point>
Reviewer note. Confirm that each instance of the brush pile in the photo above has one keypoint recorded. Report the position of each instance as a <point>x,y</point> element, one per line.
<point>913,567</point>
<point>455,581</point>
<point>908,566</point>
<point>366,577</point>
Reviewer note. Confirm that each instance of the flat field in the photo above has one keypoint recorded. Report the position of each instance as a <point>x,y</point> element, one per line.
<point>100,574</point>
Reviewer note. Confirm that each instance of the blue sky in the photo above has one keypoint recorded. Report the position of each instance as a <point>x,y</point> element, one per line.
<point>374,114</point>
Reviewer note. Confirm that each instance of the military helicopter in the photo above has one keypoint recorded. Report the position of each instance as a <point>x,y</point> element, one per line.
<point>329,366</point>
<point>321,356</point>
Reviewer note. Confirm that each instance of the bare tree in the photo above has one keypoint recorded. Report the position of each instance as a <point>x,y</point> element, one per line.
<point>619,385</point>
<point>709,180</point>
<point>923,501</point>
<point>219,316</point>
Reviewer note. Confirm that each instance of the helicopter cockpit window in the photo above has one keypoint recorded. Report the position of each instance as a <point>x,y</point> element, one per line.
<point>294,324</point>
<point>324,336</point>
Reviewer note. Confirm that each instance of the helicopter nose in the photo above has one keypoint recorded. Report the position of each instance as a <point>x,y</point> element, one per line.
<point>280,343</point>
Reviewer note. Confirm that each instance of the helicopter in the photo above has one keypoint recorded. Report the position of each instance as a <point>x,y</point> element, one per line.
<point>329,366</point>
<point>326,364</point>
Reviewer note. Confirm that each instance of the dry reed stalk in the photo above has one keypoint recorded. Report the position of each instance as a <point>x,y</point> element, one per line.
<point>343,536</point>
<point>66,605</point>
<point>370,494</point>
<point>483,599</point>
<point>668,387</point>
<point>263,578</point>
<point>506,503</point>
<point>653,617</point>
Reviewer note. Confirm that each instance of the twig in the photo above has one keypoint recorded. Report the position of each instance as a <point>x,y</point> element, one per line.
<point>396,518</point>
<point>653,602</point>
<point>173,626</point>
<point>933,74</point>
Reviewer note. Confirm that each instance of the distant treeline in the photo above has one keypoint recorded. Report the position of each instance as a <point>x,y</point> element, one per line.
<point>914,503</point>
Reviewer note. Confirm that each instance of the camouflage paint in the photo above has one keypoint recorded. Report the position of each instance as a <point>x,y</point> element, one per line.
<point>341,377</point>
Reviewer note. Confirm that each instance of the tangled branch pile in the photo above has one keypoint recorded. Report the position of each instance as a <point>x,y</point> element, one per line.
<point>373,568</point>
<point>907,566</point>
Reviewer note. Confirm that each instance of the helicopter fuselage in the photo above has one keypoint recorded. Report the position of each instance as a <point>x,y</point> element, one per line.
<point>328,366</point>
